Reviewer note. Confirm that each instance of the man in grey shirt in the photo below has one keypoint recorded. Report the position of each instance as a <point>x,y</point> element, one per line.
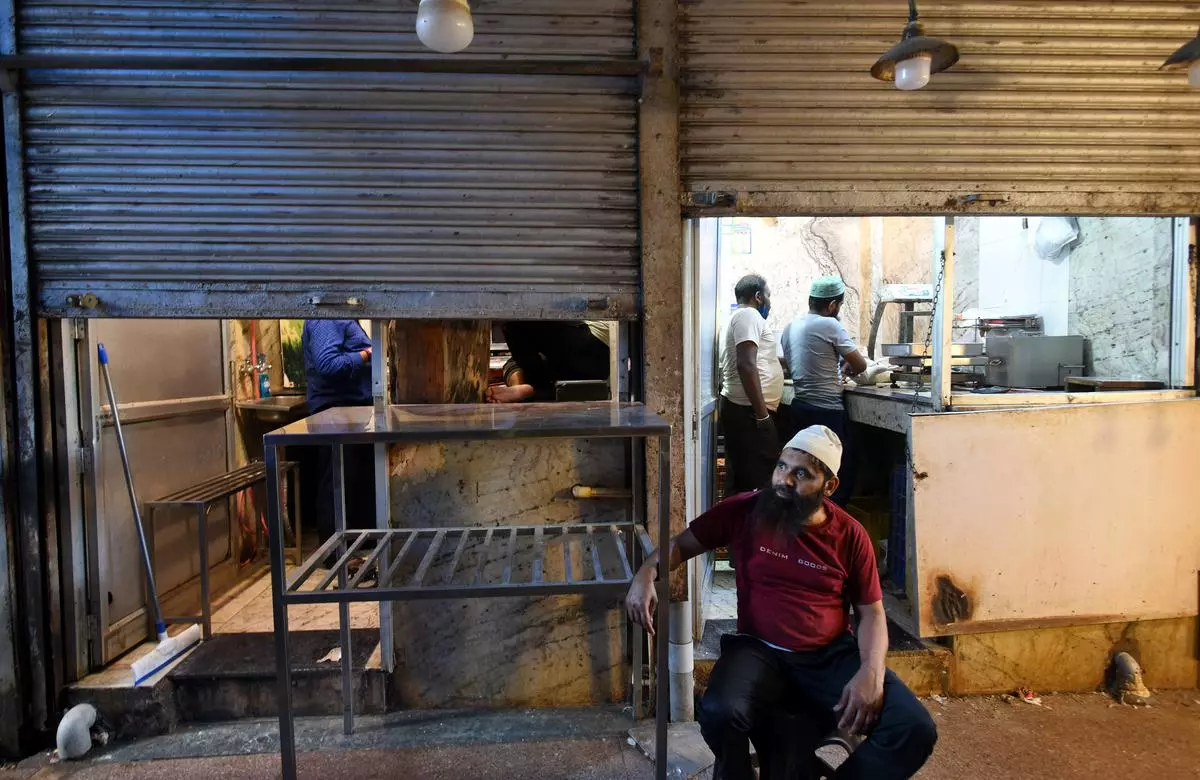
<point>820,354</point>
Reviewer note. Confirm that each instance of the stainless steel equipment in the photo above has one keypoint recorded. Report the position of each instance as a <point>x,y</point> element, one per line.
<point>1025,325</point>
<point>1034,361</point>
<point>906,296</point>
<point>914,362</point>
<point>921,350</point>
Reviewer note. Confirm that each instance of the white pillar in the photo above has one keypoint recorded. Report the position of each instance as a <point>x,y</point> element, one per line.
<point>681,664</point>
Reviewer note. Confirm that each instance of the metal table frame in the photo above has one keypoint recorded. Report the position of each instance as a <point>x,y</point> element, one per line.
<point>362,425</point>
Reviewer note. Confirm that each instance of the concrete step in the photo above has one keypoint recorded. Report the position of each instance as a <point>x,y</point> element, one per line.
<point>232,677</point>
<point>922,666</point>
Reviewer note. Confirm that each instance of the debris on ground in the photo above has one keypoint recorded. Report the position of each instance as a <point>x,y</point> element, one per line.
<point>939,699</point>
<point>1127,686</point>
<point>1028,696</point>
<point>332,657</point>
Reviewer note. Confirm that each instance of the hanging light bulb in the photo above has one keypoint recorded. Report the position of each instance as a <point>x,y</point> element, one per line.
<point>916,57</point>
<point>445,25</point>
<point>1186,56</point>
<point>914,72</point>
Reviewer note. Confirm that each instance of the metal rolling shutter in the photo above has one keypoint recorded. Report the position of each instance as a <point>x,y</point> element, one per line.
<point>193,193</point>
<point>1054,107</point>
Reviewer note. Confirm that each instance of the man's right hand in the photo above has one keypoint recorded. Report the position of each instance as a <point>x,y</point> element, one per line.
<point>365,355</point>
<point>642,600</point>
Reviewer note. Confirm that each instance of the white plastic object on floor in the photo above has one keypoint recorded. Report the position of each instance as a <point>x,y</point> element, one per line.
<point>74,738</point>
<point>169,649</point>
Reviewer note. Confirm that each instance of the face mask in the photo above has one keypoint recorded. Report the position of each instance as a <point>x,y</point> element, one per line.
<point>765,310</point>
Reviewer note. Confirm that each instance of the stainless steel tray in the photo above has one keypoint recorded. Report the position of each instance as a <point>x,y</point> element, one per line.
<point>916,362</point>
<point>919,350</point>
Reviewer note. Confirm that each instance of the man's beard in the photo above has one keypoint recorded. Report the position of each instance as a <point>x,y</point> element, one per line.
<point>785,516</point>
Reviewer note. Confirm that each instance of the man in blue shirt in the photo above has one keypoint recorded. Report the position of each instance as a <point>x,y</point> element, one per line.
<point>337,364</point>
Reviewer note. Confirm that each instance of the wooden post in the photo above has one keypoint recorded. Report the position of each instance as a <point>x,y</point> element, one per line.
<point>440,361</point>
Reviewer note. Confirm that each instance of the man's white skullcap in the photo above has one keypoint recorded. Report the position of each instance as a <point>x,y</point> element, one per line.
<point>820,442</point>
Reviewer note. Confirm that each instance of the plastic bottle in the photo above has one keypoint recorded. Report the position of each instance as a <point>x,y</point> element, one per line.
<point>264,378</point>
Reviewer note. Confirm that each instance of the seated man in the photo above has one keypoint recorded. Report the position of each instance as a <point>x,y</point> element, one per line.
<point>545,353</point>
<point>802,562</point>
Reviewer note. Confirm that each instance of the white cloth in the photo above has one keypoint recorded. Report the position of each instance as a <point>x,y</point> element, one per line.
<point>747,325</point>
<point>820,442</point>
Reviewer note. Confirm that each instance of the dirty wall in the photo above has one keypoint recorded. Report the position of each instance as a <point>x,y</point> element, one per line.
<point>790,252</point>
<point>562,650</point>
<point>1113,287</point>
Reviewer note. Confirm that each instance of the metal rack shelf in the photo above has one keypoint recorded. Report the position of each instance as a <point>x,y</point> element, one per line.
<point>439,563</point>
<point>398,564</point>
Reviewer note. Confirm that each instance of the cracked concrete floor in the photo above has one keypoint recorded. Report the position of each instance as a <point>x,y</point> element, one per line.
<point>1073,737</point>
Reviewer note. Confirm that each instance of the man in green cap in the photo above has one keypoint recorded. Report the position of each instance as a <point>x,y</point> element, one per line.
<point>820,355</point>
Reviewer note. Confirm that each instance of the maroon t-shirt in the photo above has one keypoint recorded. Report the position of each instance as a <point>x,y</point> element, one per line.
<point>795,593</point>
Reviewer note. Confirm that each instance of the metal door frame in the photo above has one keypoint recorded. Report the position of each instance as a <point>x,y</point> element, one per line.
<point>84,397</point>
<point>1183,304</point>
<point>696,410</point>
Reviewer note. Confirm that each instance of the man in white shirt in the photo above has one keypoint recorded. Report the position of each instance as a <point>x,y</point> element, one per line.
<point>820,354</point>
<point>751,388</point>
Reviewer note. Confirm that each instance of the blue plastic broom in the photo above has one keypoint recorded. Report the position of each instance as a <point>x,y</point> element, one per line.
<point>169,647</point>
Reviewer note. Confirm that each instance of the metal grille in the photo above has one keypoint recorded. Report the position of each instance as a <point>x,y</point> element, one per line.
<point>1054,107</point>
<point>430,563</point>
<point>169,193</point>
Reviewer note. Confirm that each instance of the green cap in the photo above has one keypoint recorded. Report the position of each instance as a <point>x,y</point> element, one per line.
<point>828,287</point>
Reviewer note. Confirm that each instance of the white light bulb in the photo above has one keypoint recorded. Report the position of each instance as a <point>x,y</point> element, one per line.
<point>445,25</point>
<point>1194,74</point>
<point>913,73</point>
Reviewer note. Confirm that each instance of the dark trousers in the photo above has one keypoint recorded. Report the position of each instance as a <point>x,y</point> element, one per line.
<point>750,452</point>
<point>837,421</point>
<point>784,425</point>
<point>358,468</point>
<point>753,684</point>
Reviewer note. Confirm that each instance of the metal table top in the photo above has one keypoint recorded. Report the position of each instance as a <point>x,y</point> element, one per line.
<point>430,422</point>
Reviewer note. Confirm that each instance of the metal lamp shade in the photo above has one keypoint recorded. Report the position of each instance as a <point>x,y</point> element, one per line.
<point>942,53</point>
<point>1184,56</point>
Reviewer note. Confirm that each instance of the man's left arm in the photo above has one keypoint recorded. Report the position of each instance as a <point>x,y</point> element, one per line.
<point>862,698</point>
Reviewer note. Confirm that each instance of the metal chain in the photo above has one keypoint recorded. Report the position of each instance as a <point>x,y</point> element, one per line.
<point>937,295</point>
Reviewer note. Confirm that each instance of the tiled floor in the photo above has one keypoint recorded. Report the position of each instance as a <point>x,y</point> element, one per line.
<point>119,674</point>
<point>245,608</point>
<point>248,608</point>
<point>721,601</point>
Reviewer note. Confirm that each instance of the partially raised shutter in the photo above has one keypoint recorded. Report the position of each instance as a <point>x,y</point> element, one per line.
<point>244,193</point>
<point>1054,107</point>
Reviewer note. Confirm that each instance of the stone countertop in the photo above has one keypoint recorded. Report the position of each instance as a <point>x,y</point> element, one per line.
<point>889,393</point>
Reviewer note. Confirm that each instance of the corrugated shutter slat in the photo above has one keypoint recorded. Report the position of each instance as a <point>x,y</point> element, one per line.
<point>1054,107</point>
<point>421,194</point>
